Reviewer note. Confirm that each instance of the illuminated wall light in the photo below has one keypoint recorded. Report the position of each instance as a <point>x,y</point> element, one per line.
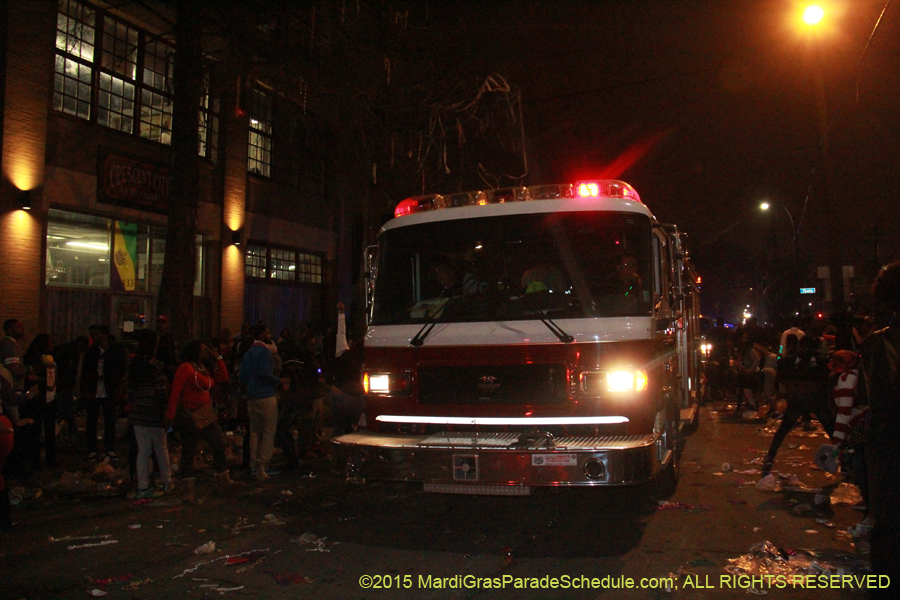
<point>26,200</point>
<point>237,237</point>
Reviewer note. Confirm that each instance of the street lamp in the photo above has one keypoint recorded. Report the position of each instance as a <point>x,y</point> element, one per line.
<point>767,206</point>
<point>813,15</point>
<point>796,267</point>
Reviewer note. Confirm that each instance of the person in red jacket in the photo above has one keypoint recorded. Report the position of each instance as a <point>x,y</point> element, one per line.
<point>200,370</point>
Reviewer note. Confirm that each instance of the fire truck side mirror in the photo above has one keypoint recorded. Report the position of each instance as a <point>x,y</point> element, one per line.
<point>664,324</point>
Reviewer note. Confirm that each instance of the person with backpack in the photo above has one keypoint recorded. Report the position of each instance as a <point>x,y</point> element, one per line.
<point>805,376</point>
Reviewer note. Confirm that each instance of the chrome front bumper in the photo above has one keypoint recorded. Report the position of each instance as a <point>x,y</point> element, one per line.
<point>500,459</point>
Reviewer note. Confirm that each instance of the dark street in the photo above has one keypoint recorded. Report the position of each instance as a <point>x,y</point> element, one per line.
<point>325,535</point>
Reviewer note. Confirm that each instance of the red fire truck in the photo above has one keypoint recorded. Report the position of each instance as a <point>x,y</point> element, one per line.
<point>530,336</point>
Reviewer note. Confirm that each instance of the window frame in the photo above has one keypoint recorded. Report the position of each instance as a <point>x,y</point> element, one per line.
<point>81,84</point>
<point>317,274</point>
<point>260,132</point>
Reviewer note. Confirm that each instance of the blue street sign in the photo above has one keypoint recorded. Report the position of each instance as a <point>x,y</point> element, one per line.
<point>807,290</point>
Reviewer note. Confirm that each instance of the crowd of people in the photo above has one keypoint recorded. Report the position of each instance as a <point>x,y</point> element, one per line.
<point>843,372</point>
<point>161,391</point>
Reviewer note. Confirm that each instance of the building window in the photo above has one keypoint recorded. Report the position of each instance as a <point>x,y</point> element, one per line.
<point>115,104</point>
<point>77,250</point>
<point>282,264</point>
<point>259,155</point>
<point>156,99</point>
<point>93,252</point>
<point>118,76</point>
<point>255,261</point>
<point>72,87</point>
<point>209,121</point>
<point>310,268</point>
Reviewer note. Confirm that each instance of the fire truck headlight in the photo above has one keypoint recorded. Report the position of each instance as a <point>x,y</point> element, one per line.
<point>600,382</point>
<point>705,348</point>
<point>385,383</point>
<point>626,381</point>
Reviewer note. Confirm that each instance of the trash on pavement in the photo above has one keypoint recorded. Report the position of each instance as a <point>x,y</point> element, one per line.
<point>306,538</point>
<point>271,519</point>
<point>726,467</point>
<point>666,505</point>
<point>69,538</point>
<point>765,558</point>
<point>769,483</point>
<point>94,545</point>
<point>320,546</point>
<point>206,548</point>
<point>287,578</point>
<point>97,593</point>
<point>193,569</point>
<point>134,584</point>
<point>846,493</point>
<point>113,580</point>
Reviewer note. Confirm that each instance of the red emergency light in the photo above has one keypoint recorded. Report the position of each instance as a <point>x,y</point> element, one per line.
<point>588,190</point>
<point>607,188</point>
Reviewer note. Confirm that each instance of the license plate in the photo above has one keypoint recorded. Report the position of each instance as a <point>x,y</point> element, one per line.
<point>554,460</point>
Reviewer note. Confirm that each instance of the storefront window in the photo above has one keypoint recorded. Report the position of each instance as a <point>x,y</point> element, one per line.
<point>88,251</point>
<point>77,250</point>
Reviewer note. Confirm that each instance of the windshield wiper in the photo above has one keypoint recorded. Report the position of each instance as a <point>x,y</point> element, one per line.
<point>434,318</point>
<point>555,329</point>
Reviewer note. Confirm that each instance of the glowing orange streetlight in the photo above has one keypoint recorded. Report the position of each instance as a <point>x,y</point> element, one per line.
<point>813,14</point>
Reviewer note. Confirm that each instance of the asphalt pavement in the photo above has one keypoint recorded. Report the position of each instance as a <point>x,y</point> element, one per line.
<point>309,534</point>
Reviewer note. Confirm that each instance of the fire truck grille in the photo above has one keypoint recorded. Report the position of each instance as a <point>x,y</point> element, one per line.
<point>504,384</point>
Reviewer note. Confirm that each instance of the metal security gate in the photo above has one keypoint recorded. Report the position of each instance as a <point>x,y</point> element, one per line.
<point>280,306</point>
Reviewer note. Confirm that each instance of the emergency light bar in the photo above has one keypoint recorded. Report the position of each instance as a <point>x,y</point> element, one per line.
<point>605,188</point>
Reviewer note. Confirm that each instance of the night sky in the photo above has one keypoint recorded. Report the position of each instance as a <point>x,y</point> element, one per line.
<point>708,107</point>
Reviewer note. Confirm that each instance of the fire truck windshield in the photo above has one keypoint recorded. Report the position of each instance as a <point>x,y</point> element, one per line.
<point>515,267</point>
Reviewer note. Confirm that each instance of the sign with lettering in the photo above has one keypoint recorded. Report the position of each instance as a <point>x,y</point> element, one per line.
<point>133,182</point>
<point>807,290</point>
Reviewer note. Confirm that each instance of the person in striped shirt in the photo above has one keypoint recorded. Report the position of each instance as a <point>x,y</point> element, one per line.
<point>843,365</point>
<point>850,418</point>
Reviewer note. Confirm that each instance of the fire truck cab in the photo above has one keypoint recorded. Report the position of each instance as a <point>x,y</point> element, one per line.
<point>523,337</point>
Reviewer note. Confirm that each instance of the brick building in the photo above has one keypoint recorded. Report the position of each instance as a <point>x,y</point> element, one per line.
<point>86,114</point>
